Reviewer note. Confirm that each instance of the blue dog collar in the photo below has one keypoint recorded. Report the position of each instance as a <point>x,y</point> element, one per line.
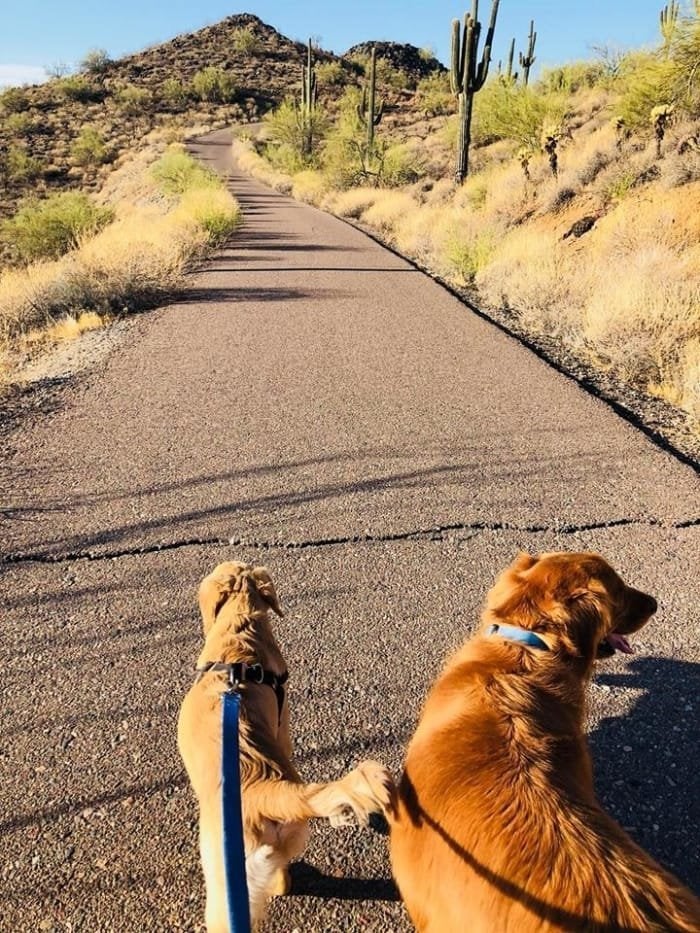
<point>522,635</point>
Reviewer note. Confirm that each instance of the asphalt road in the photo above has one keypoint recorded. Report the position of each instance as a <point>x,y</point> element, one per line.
<point>315,404</point>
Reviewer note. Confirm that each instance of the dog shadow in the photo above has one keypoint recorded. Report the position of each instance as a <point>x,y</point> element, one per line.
<point>307,880</point>
<point>647,761</point>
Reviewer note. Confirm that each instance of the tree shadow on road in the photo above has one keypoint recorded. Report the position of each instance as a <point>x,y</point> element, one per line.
<point>647,762</point>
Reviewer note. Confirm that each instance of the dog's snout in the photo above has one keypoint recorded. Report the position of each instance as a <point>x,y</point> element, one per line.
<point>642,604</point>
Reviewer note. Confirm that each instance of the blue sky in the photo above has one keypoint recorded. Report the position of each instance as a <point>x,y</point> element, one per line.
<point>38,33</point>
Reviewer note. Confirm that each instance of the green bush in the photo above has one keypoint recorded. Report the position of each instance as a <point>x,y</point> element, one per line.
<point>18,125</point>
<point>177,172</point>
<point>518,113</point>
<point>330,74</point>
<point>77,88</point>
<point>400,165</point>
<point>289,136</point>
<point>173,93</point>
<point>20,166</point>
<point>392,77</point>
<point>245,40</point>
<point>434,96</point>
<point>96,62</point>
<point>14,100</point>
<point>133,100</point>
<point>666,77</point>
<point>47,229</point>
<point>89,148</point>
<point>214,85</point>
<point>573,77</point>
<point>342,158</point>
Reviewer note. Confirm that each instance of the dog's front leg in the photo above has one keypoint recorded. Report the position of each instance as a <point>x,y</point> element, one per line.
<point>365,790</point>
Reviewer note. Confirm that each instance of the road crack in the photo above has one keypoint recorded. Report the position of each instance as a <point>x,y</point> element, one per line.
<point>435,533</point>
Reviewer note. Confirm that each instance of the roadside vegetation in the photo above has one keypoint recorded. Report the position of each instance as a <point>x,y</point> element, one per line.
<point>579,216</point>
<point>83,260</point>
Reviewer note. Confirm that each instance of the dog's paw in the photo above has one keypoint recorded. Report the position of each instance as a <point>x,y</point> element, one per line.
<point>380,785</point>
<point>344,816</point>
<point>371,790</point>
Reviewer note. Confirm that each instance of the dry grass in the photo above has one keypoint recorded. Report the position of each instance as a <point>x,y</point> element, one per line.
<point>134,263</point>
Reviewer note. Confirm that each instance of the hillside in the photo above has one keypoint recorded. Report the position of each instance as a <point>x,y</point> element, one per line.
<point>70,131</point>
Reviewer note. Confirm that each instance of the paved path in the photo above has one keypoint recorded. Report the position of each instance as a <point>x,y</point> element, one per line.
<point>343,419</point>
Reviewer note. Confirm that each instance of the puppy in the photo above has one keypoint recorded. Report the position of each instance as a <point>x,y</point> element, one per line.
<point>497,828</point>
<point>234,602</point>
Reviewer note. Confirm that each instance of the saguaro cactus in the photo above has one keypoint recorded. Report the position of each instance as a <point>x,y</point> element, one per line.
<point>527,61</point>
<point>668,19</point>
<point>509,77</point>
<point>309,96</point>
<point>367,110</point>
<point>467,76</point>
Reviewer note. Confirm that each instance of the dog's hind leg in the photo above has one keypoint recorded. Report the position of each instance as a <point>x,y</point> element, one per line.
<point>212,854</point>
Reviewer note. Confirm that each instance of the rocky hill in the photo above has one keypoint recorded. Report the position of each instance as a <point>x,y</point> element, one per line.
<point>70,131</point>
<point>414,62</point>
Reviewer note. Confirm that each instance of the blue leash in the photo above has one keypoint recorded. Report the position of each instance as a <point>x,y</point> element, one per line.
<point>234,853</point>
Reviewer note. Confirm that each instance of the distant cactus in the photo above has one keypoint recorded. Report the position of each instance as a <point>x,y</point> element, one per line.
<point>509,77</point>
<point>527,61</point>
<point>660,119</point>
<point>668,20</point>
<point>468,77</point>
<point>370,115</point>
<point>524,156</point>
<point>550,144</point>
<point>309,96</point>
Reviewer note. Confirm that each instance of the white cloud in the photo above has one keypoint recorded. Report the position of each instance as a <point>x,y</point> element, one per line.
<point>21,74</point>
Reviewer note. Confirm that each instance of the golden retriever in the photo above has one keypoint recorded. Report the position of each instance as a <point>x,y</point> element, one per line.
<point>497,828</point>
<point>234,601</point>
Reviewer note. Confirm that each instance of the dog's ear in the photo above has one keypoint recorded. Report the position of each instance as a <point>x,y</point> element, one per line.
<point>523,562</point>
<point>590,617</point>
<point>215,589</point>
<point>266,588</point>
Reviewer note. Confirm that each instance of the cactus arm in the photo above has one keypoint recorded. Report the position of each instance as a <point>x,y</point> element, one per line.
<point>455,60</point>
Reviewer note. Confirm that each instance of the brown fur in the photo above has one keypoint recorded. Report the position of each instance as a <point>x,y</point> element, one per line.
<point>234,602</point>
<point>497,828</point>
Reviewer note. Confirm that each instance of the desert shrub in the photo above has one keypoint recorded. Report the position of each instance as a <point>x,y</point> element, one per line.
<point>96,62</point>
<point>517,113</point>
<point>77,88</point>
<point>214,85</point>
<point>20,166</point>
<point>14,100</point>
<point>133,100</point>
<point>399,165</point>
<point>434,96</point>
<point>18,125</point>
<point>89,148</point>
<point>48,228</point>
<point>176,172</point>
<point>309,186</point>
<point>572,77</point>
<point>466,256</point>
<point>292,143</point>
<point>390,76</point>
<point>57,69</point>
<point>211,208</point>
<point>647,80</point>
<point>245,40</point>
<point>329,74</point>
<point>173,93</point>
<point>667,76</point>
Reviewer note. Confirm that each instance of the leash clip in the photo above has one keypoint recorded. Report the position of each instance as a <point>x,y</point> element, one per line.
<point>234,680</point>
<point>257,671</point>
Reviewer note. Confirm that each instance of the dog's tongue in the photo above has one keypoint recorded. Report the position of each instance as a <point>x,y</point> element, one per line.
<point>620,643</point>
